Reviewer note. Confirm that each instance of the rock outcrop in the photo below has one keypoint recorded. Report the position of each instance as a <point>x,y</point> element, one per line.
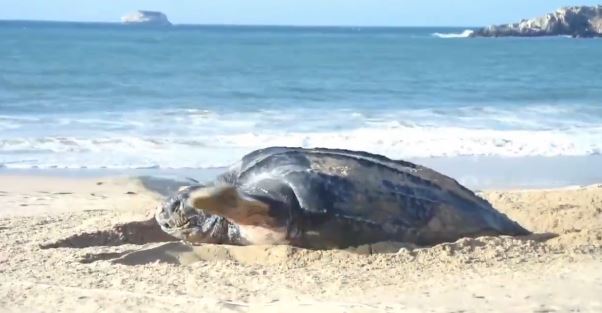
<point>146,18</point>
<point>577,21</point>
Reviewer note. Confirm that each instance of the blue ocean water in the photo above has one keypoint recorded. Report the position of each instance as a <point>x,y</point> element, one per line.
<point>111,96</point>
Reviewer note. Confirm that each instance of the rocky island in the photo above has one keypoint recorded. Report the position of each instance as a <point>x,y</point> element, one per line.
<point>576,21</point>
<point>150,18</point>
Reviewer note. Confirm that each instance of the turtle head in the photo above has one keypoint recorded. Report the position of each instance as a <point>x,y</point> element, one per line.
<point>180,219</point>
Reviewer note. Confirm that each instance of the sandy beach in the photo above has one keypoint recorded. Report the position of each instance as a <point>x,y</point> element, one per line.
<point>557,270</point>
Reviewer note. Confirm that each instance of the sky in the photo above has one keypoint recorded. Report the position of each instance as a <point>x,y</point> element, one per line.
<point>292,12</point>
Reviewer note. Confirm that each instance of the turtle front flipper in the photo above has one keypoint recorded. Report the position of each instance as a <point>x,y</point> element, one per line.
<point>229,202</point>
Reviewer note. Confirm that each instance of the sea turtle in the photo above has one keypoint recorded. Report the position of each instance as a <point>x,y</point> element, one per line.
<point>329,198</point>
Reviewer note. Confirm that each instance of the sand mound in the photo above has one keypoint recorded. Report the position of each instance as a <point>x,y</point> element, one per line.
<point>575,214</point>
<point>481,249</point>
<point>138,232</point>
<point>182,254</point>
<point>467,250</point>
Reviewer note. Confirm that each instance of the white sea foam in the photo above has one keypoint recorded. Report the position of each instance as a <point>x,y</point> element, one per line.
<point>465,34</point>
<point>221,150</point>
<point>201,139</point>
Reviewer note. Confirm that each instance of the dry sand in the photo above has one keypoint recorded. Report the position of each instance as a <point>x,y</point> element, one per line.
<point>535,274</point>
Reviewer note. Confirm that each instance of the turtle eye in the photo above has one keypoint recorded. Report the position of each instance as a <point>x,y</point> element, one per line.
<point>175,207</point>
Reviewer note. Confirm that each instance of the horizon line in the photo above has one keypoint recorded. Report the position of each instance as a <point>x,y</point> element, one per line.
<point>248,25</point>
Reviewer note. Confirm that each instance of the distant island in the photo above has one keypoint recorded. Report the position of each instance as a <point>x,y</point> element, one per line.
<point>576,21</point>
<point>151,18</point>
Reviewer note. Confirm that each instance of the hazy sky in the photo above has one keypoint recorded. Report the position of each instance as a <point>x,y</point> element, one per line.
<point>291,12</point>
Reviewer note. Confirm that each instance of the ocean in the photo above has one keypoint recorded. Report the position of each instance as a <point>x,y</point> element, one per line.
<point>107,96</point>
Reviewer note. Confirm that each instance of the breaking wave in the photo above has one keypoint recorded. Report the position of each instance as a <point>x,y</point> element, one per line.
<point>222,150</point>
<point>188,138</point>
<point>465,34</point>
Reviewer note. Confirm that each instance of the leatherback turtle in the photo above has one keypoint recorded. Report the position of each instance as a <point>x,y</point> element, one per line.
<point>326,198</point>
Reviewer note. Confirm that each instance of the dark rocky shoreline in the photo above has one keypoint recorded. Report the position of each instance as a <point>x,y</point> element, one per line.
<point>577,22</point>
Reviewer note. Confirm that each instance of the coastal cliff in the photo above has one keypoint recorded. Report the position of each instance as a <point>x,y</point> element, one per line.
<point>576,21</point>
<point>146,18</point>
